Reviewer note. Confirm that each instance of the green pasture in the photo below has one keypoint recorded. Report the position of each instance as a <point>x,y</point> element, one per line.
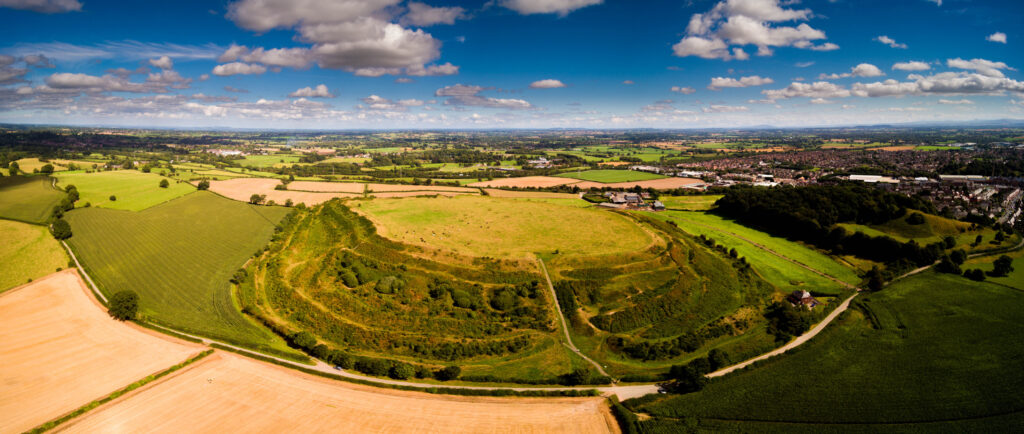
<point>178,256</point>
<point>28,252</point>
<point>690,203</point>
<point>134,190</point>
<point>610,176</point>
<point>783,274</point>
<point>1014,279</point>
<point>932,353</point>
<point>261,161</point>
<point>934,229</point>
<point>28,198</point>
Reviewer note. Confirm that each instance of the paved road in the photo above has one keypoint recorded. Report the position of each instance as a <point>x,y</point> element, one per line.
<point>565,326</point>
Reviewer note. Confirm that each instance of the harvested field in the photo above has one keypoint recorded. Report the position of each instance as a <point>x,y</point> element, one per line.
<point>242,188</point>
<point>387,194</point>
<point>228,393</point>
<point>62,351</point>
<point>526,182</point>
<point>333,187</point>
<point>396,187</point>
<point>493,192</point>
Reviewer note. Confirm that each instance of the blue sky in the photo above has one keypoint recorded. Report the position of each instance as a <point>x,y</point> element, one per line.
<point>394,64</point>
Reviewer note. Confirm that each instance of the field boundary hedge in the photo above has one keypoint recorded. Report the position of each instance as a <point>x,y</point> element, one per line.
<point>144,381</point>
<point>426,389</point>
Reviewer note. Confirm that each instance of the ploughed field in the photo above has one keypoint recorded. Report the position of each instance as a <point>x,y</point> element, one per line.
<point>61,351</point>
<point>179,256</point>
<point>934,352</point>
<point>455,281</point>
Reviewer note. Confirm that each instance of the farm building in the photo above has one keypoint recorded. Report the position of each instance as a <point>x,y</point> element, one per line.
<point>804,298</point>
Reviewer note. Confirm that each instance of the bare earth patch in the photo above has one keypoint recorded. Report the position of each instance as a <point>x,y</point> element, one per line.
<point>61,350</point>
<point>228,393</point>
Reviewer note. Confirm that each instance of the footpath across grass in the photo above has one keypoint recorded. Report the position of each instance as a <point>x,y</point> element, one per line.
<point>934,351</point>
<point>179,256</point>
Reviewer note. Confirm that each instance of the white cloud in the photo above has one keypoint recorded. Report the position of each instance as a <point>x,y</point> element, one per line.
<point>43,6</point>
<point>956,102</point>
<point>320,91</point>
<point>424,15</point>
<point>683,90</point>
<point>984,67</point>
<point>76,82</point>
<point>946,83</point>
<point>548,83</point>
<point>162,62</point>
<point>821,101</point>
<point>997,37</point>
<point>122,50</point>
<point>890,42</point>
<point>352,35</point>
<point>404,80</point>
<point>724,109</point>
<point>753,80</point>
<point>560,7</point>
<point>803,64</point>
<point>37,61</point>
<point>861,70</point>
<point>747,22</point>
<point>911,66</point>
<point>235,68</point>
<point>937,2</point>
<point>819,89</point>
<point>465,95</point>
<point>628,82</point>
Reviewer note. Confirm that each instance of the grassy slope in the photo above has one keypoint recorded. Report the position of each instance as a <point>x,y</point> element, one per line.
<point>943,348</point>
<point>28,252</point>
<point>784,274</point>
<point>29,199</point>
<point>690,203</point>
<point>178,256</point>
<point>1014,279</point>
<point>135,191</point>
<point>934,229</point>
<point>609,176</point>
<point>495,227</point>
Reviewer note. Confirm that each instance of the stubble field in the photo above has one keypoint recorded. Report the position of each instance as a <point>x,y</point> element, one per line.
<point>60,351</point>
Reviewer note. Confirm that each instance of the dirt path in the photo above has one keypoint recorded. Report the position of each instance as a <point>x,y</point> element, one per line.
<point>792,344</point>
<point>565,326</point>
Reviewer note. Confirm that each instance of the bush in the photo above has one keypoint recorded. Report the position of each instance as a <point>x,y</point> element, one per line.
<point>349,278</point>
<point>503,299</point>
<point>46,169</point>
<point>60,229</point>
<point>915,219</point>
<point>402,371</point>
<point>448,373</point>
<point>203,185</point>
<point>164,183</point>
<point>113,198</point>
<point>124,305</point>
<point>304,340</point>
<point>389,285</point>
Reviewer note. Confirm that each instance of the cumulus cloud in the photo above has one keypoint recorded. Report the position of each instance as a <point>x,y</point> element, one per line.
<point>548,83</point>
<point>890,42</point>
<point>320,91</point>
<point>683,90</point>
<point>560,7</point>
<point>982,66</point>
<point>861,70</point>
<point>43,6</point>
<point>465,95</point>
<point>997,37</point>
<point>911,66</point>
<point>235,68</point>
<point>352,35</point>
<point>729,23</point>
<point>753,80</point>
<point>424,15</point>
<point>946,83</point>
<point>162,62</point>
<point>77,83</point>
<point>819,89</point>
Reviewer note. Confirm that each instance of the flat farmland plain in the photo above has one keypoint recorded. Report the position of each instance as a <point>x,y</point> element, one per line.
<point>228,393</point>
<point>28,252</point>
<point>61,351</point>
<point>28,199</point>
<point>179,257</point>
<point>134,190</point>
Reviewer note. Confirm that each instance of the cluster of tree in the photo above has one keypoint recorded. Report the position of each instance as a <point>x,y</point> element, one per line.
<point>1000,163</point>
<point>59,227</point>
<point>786,320</point>
<point>667,349</point>
<point>306,342</point>
<point>691,377</point>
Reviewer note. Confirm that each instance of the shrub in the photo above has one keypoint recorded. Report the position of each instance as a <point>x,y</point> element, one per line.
<point>503,299</point>
<point>402,371</point>
<point>304,340</point>
<point>915,219</point>
<point>448,373</point>
<point>349,278</point>
<point>46,169</point>
<point>113,198</point>
<point>164,183</point>
<point>389,285</point>
<point>203,185</point>
<point>124,305</point>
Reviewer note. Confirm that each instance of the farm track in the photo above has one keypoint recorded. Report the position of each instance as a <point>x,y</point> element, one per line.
<point>561,318</point>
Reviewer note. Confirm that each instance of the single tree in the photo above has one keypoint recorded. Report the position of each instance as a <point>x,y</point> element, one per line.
<point>257,199</point>
<point>113,198</point>
<point>203,185</point>
<point>1002,266</point>
<point>60,229</point>
<point>13,168</point>
<point>124,305</point>
<point>164,183</point>
<point>47,169</point>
